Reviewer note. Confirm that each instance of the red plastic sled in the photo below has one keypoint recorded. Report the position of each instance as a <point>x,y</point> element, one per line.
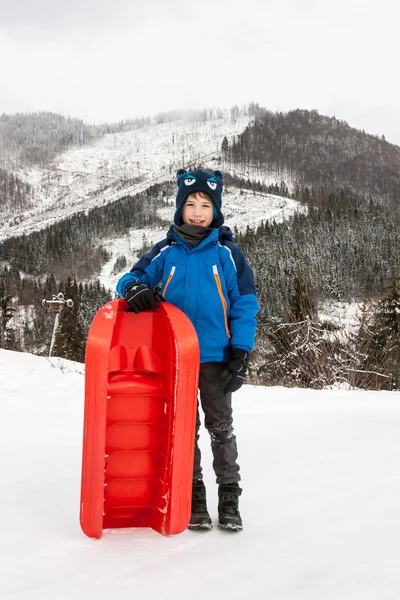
<point>139,425</point>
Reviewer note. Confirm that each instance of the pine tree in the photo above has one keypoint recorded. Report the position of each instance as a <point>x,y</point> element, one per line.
<point>225,147</point>
<point>381,341</point>
<point>302,303</point>
<point>7,338</point>
<point>70,338</point>
<point>304,351</point>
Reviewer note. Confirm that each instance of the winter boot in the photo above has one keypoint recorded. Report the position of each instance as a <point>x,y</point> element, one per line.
<point>228,507</point>
<point>200,519</point>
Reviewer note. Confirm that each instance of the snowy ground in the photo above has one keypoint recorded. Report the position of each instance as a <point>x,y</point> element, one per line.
<point>320,505</point>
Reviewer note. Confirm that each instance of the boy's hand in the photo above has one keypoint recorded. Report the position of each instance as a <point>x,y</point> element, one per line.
<point>236,371</point>
<point>140,297</point>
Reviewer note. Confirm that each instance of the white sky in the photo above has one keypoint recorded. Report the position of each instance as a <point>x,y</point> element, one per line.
<point>105,61</point>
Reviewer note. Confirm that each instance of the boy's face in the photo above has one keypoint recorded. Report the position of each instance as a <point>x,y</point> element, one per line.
<point>198,211</point>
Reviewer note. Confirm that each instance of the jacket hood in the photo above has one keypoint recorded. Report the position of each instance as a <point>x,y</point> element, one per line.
<point>225,234</point>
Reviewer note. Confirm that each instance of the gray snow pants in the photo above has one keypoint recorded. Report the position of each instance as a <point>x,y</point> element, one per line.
<point>217,408</point>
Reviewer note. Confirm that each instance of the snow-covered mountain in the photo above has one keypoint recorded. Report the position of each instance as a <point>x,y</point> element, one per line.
<point>129,162</point>
<point>319,506</point>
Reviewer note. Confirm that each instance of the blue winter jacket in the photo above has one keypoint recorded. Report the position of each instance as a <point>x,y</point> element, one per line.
<point>211,283</point>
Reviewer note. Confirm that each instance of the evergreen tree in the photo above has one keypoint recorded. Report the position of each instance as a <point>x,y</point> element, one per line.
<point>302,304</point>
<point>303,351</point>
<point>7,337</point>
<point>381,340</point>
<point>70,338</point>
<point>225,147</point>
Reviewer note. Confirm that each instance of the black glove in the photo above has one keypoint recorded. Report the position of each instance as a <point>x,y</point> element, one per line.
<point>140,297</point>
<point>236,371</point>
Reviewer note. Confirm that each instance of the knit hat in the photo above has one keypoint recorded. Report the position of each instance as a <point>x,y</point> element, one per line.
<point>199,181</point>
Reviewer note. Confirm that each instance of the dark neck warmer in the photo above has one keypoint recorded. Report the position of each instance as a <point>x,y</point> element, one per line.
<point>192,234</point>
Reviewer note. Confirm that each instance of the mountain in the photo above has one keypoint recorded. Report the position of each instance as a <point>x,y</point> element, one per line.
<point>317,151</point>
<point>114,166</point>
<point>301,148</point>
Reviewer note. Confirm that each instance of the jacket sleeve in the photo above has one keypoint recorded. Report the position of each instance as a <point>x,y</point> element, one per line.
<point>147,270</point>
<point>242,295</point>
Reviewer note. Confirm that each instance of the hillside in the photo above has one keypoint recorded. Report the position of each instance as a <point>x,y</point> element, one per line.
<point>35,138</point>
<point>116,165</point>
<point>309,149</point>
<point>319,507</point>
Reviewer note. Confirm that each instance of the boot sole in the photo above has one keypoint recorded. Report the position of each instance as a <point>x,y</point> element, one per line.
<point>230,527</point>
<point>200,527</point>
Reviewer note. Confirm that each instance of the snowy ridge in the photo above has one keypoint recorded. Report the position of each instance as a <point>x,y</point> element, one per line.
<point>321,485</point>
<point>120,164</point>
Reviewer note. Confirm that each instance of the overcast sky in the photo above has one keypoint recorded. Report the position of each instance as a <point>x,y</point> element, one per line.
<point>105,60</point>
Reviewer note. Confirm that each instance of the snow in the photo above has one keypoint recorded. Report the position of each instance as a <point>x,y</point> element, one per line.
<point>320,508</point>
<point>345,315</point>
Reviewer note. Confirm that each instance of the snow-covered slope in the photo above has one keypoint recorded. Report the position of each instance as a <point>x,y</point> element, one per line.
<point>320,503</point>
<point>124,163</point>
<point>118,164</point>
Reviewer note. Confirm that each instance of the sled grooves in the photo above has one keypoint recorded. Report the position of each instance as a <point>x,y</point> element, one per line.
<point>140,412</point>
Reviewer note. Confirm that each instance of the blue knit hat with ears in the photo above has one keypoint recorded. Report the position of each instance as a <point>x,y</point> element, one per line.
<point>199,181</point>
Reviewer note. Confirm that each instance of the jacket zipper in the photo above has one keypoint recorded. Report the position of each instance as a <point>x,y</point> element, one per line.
<point>170,276</point>
<point>223,301</point>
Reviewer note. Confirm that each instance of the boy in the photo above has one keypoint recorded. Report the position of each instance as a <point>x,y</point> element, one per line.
<point>204,273</point>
